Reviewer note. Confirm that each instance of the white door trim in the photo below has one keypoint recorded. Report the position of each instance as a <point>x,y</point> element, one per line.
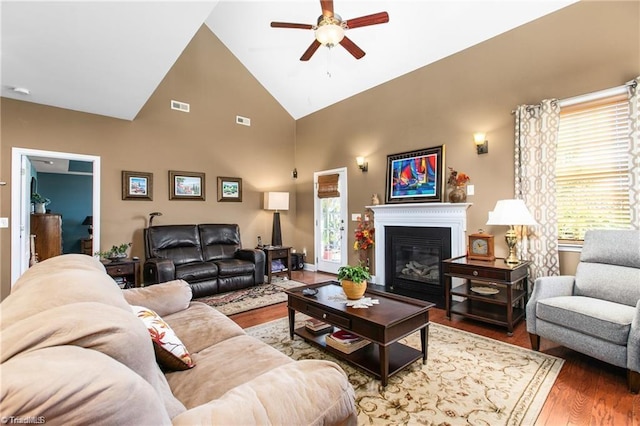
<point>19,186</point>
<point>344,204</point>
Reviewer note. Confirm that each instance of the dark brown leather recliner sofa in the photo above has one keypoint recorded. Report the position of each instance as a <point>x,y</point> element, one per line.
<point>209,257</point>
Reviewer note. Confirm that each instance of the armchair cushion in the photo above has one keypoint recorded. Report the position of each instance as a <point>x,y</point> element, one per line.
<point>198,271</point>
<point>608,282</point>
<point>228,267</point>
<point>599,318</point>
<point>165,298</point>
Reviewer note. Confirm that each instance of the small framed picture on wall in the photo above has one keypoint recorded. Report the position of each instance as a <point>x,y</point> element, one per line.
<point>229,189</point>
<point>186,185</point>
<point>137,185</point>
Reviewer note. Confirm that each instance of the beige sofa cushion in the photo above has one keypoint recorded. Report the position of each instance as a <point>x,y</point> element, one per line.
<point>164,299</point>
<point>201,326</point>
<point>302,387</point>
<point>236,360</point>
<point>67,385</point>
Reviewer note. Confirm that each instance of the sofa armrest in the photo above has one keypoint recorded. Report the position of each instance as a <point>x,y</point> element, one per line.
<point>255,256</point>
<point>158,270</point>
<point>298,393</point>
<point>544,288</point>
<point>166,298</point>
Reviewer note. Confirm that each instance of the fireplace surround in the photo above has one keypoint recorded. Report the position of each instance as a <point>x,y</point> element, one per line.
<point>433,217</point>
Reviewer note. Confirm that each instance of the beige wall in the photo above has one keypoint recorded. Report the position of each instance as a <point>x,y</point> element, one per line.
<point>206,140</point>
<point>586,47</point>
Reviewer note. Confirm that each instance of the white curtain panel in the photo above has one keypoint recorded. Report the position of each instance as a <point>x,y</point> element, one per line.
<point>634,151</point>
<point>536,137</point>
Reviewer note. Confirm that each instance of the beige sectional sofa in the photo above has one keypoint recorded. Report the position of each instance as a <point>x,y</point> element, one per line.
<point>73,352</point>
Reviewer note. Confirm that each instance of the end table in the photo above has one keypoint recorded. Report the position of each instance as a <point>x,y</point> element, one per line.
<point>274,253</point>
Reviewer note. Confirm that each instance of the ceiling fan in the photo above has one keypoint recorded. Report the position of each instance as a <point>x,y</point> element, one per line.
<point>330,29</point>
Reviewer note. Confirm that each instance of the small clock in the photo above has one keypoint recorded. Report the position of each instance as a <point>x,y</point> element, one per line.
<point>481,247</point>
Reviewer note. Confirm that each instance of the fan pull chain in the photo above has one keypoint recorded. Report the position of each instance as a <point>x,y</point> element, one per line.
<point>329,62</point>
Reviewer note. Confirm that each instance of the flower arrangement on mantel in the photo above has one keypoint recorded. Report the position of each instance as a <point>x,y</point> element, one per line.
<point>364,234</point>
<point>457,178</point>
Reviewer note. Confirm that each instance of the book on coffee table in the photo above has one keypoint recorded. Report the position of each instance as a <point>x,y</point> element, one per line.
<point>317,327</point>
<point>345,341</point>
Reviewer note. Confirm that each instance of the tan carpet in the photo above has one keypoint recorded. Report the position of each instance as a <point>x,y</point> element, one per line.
<point>250,298</point>
<point>468,380</point>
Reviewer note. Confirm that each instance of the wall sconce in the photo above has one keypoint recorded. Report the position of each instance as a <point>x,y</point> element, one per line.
<point>364,166</point>
<point>482,144</point>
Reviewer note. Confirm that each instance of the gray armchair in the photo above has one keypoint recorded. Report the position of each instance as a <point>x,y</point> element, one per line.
<point>597,312</point>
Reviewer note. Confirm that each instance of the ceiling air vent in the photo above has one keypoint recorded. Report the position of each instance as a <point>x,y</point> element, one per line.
<point>243,120</point>
<point>180,106</point>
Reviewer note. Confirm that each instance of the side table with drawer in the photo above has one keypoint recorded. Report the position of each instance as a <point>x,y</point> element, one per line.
<point>125,272</point>
<point>274,253</point>
<point>494,291</point>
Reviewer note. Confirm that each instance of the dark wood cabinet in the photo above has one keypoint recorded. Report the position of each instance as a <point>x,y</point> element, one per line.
<point>273,253</point>
<point>125,272</point>
<point>494,291</point>
<point>86,246</point>
<point>48,231</point>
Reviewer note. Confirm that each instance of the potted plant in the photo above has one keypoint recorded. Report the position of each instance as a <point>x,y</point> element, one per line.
<point>39,203</point>
<point>354,280</point>
<point>115,253</point>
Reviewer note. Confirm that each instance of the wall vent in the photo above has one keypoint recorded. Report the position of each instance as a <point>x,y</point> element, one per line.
<point>180,106</point>
<point>243,120</point>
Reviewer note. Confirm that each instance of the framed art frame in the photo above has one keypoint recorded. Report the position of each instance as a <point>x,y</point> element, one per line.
<point>415,176</point>
<point>186,185</point>
<point>229,189</point>
<point>137,185</point>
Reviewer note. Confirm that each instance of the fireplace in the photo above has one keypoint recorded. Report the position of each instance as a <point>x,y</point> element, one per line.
<point>413,258</point>
<point>441,225</point>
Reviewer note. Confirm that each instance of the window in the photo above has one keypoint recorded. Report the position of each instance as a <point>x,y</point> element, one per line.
<point>592,167</point>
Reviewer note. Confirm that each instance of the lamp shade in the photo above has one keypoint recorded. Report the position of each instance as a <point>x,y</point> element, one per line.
<point>88,220</point>
<point>511,212</point>
<point>276,201</point>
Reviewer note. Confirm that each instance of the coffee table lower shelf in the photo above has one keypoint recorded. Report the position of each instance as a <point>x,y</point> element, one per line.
<point>367,358</point>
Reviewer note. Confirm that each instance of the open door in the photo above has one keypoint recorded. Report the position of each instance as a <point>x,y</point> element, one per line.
<point>330,207</point>
<point>21,203</point>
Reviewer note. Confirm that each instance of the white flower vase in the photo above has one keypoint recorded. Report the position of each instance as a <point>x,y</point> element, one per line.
<point>40,208</point>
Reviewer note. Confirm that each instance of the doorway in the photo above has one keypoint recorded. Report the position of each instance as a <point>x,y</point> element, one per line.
<point>330,218</point>
<point>21,202</point>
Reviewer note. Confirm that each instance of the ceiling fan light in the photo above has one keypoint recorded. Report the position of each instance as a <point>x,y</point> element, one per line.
<point>329,34</point>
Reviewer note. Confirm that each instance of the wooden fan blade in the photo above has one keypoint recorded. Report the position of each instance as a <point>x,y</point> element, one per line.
<point>363,21</point>
<point>291,25</point>
<point>327,7</point>
<point>352,48</point>
<point>310,51</point>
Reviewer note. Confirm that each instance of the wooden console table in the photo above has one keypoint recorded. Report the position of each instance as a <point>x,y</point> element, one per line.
<point>491,290</point>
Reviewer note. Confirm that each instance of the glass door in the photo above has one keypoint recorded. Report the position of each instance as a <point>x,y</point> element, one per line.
<point>331,243</point>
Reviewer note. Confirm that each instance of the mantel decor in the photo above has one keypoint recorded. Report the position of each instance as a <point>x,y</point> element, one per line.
<point>415,176</point>
<point>137,185</point>
<point>186,185</point>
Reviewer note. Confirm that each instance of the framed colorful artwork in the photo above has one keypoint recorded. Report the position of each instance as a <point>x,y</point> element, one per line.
<point>415,176</point>
<point>229,189</point>
<point>137,185</point>
<point>186,185</point>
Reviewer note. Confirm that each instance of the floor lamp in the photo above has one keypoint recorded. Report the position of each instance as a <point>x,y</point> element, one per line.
<point>276,201</point>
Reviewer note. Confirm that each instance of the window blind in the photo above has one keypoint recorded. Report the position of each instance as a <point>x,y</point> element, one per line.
<point>328,186</point>
<point>592,167</point>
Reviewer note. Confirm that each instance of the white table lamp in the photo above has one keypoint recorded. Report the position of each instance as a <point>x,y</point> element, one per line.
<point>511,213</point>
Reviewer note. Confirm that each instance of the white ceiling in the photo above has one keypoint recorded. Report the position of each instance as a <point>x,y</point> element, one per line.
<point>107,58</point>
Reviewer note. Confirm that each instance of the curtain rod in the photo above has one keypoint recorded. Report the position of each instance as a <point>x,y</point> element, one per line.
<point>600,94</point>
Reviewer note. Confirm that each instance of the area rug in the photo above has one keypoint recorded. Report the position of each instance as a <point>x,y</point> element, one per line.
<point>468,379</point>
<point>250,298</point>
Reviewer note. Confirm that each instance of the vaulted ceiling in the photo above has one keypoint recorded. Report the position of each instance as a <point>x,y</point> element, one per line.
<point>107,58</point>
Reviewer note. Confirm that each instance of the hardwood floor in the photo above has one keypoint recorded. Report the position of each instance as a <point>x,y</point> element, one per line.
<point>587,391</point>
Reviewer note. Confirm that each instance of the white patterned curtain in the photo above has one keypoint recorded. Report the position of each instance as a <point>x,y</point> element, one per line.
<point>634,153</point>
<point>536,137</point>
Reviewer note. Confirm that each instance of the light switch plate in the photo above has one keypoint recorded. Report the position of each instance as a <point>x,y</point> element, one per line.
<point>471,189</point>
<point>355,217</point>
<point>4,222</point>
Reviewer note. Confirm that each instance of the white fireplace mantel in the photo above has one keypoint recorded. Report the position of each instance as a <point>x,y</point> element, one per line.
<point>441,215</point>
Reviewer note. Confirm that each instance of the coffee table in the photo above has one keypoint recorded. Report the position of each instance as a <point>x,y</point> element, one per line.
<point>384,324</point>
